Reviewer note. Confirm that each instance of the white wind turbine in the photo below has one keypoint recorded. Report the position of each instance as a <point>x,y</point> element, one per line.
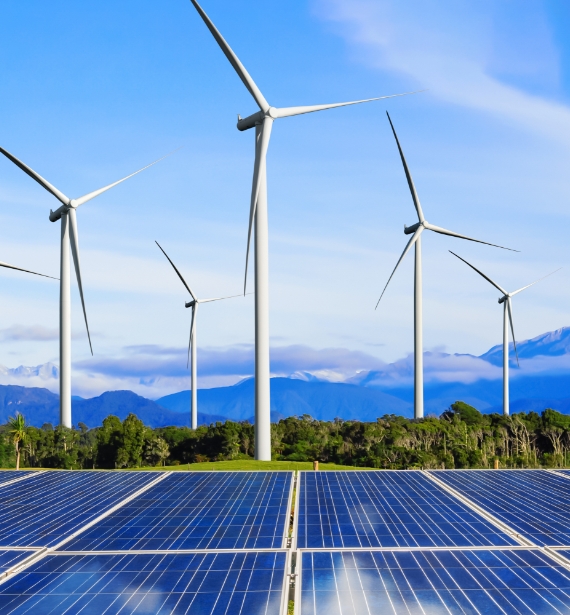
<point>68,236</point>
<point>192,347</point>
<point>507,314</point>
<point>416,231</point>
<point>262,121</point>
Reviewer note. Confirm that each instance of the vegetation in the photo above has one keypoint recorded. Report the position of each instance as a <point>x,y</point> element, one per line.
<point>461,437</point>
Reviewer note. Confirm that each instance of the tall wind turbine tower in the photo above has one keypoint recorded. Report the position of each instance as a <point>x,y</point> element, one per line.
<point>192,347</point>
<point>262,121</point>
<point>507,316</point>
<point>416,231</point>
<point>66,213</point>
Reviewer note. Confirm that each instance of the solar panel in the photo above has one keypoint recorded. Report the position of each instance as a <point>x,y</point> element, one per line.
<point>198,510</point>
<point>535,503</point>
<point>9,558</point>
<point>10,475</point>
<point>386,509</point>
<point>432,582</point>
<point>42,511</point>
<point>239,583</point>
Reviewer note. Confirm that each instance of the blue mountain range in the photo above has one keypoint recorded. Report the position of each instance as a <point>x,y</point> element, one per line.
<point>540,380</point>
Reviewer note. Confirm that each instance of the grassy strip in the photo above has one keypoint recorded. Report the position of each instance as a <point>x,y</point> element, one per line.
<point>247,464</point>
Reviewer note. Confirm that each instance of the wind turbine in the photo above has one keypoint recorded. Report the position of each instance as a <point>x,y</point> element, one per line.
<point>507,313</point>
<point>416,231</point>
<point>66,213</point>
<point>192,347</point>
<point>262,121</point>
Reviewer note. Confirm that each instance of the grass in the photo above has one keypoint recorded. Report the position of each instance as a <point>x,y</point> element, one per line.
<point>249,465</point>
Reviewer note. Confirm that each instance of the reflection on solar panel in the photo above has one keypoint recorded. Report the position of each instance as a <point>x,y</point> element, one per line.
<point>535,503</point>
<point>9,475</point>
<point>471,581</point>
<point>11,558</point>
<point>43,510</point>
<point>386,509</point>
<point>198,583</point>
<point>198,510</point>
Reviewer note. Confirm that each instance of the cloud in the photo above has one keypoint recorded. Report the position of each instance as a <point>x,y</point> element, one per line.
<point>456,50</point>
<point>35,333</point>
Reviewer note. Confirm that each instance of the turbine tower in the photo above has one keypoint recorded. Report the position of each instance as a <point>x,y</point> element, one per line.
<point>66,213</point>
<point>192,348</point>
<point>262,121</point>
<point>507,314</point>
<point>416,231</point>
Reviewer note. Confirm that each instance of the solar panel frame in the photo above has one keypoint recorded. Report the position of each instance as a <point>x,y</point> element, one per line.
<point>172,516</point>
<point>517,499</point>
<point>390,508</point>
<point>454,585</point>
<point>10,558</point>
<point>7,477</point>
<point>88,583</point>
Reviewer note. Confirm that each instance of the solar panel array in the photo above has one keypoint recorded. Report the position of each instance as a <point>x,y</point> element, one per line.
<point>535,503</point>
<point>145,542</point>
<point>213,543</point>
<point>387,509</point>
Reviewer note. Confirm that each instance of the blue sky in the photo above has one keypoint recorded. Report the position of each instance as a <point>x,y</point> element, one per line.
<point>91,92</point>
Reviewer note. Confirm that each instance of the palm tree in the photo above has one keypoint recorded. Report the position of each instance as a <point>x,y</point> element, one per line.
<point>19,432</point>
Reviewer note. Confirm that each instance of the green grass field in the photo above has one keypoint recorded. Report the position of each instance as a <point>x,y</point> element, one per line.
<point>250,465</point>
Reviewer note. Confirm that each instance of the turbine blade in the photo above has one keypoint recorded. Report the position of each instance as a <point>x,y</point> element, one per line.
<point>412,241</point>
<point>191,337</point>
<point>37,177</point>
<point>291,111</point>
<point>92,195</point>
<point>509,310</point>
<point>234,60</point>
<point>443,231</point>
<point>533,283</point>
<point>178,273</point>
<point>221,298</point>
<point>411,185</point>
<point>481,274</point>
<point>74,240</point>
<point>26,270</point>
<point>258,172</point>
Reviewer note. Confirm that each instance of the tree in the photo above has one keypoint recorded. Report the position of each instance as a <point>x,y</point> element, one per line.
<point>18,431</point>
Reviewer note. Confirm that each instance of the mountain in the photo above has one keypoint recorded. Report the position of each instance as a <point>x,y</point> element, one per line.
<point>293,397</point>
<point>41,406</point>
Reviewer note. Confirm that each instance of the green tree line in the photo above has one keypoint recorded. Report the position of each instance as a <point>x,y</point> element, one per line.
<point>461,437</point>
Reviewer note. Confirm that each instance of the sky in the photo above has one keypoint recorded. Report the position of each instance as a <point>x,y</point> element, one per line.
<point>91,92</point>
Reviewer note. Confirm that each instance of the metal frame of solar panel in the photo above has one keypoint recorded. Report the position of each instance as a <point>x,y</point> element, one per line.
<point>386,508</point>
<point>535,503</point>
<point>49,579</point>
<point>13,476</point>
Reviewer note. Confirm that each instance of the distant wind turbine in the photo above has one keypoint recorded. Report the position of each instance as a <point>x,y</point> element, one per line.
<point>192,347</point>
<point>68,236</point>
<point>416,231</point>
<point>507,313</point>
<point>262,121</point>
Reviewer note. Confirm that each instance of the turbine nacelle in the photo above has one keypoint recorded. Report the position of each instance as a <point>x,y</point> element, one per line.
<point>410,230</point>
<point>190,304</point>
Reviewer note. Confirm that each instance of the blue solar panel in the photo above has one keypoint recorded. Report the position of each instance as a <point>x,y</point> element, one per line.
<point>237,583</point>
<point>9,558</point>
<point>433,582</point>
<point>535,503</point>
<point>386,509</point>
<point>10,475</point>
<point>198,510</point>
<point>45,509</point>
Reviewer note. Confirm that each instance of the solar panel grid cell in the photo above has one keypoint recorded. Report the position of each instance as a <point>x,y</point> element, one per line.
<point>217,510</point>
<point>386,509</point>
<point>535,503</point>
<point>218,583</point>
<point>478,582</point>
<point>43,510</point>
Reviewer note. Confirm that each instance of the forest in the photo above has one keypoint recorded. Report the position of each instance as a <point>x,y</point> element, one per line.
<point>461,437</point>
